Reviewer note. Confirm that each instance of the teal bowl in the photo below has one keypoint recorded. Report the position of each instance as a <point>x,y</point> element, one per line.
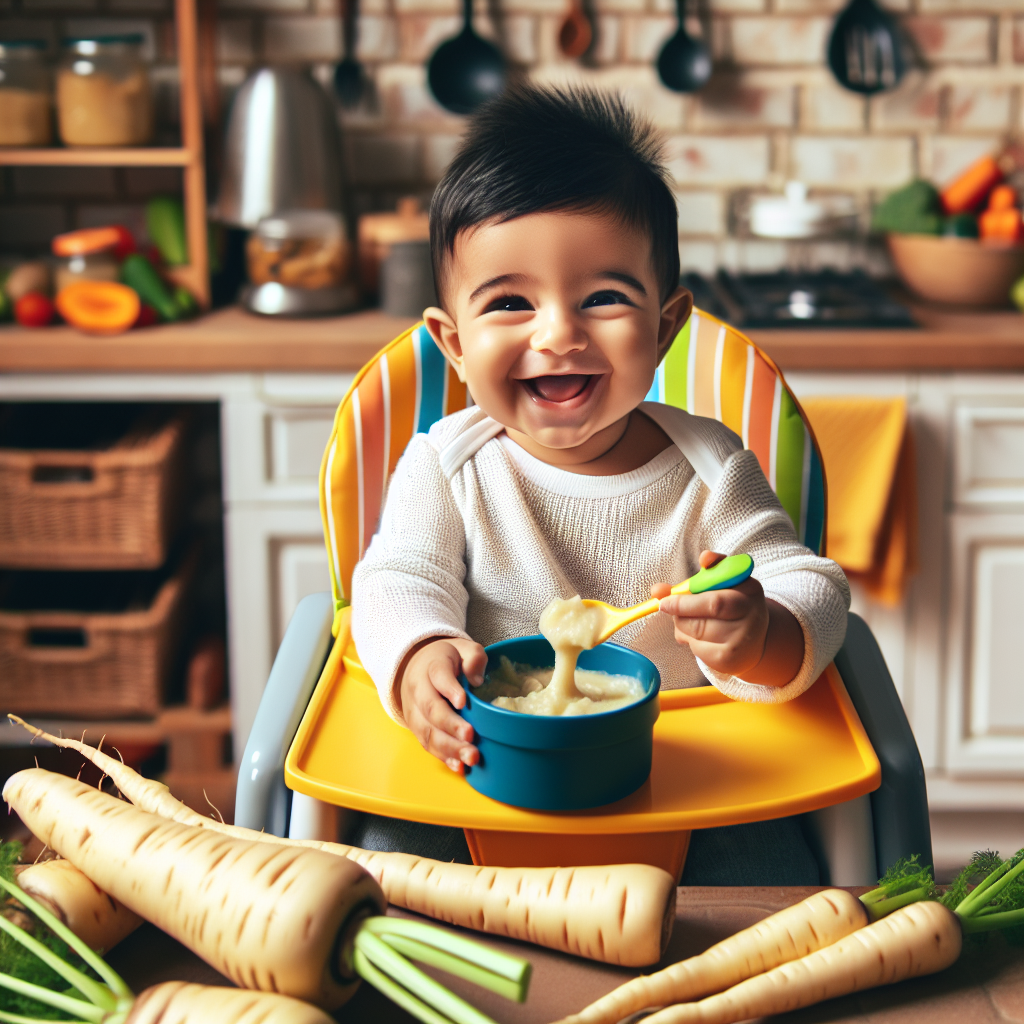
<point>553,763</point>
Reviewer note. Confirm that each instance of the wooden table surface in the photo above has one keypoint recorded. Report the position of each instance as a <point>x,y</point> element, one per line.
<point>986,985</point>
<point>231,340</point>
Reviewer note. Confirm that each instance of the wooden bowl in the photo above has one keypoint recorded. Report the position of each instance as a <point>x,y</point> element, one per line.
<point>957,271</point>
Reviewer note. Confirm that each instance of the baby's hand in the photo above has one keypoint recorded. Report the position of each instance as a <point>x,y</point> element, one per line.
<point>726,629</point>
<point>737,630</point>
<point>429,688</point>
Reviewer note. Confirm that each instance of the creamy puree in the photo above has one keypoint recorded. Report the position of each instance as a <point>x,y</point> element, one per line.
<point>570,627</point>
<point>531,690</point>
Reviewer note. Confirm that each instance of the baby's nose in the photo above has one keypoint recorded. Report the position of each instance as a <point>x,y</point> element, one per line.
<point>558,333</point>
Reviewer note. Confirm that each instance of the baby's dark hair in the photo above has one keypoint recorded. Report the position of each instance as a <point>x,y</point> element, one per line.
<point>535,150</point>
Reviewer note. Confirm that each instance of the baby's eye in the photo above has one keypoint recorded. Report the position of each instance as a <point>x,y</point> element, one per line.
<point>508,304</point>
<point>605,298</point>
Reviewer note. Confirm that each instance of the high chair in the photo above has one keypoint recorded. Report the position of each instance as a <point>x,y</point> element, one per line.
<point>843,750</point>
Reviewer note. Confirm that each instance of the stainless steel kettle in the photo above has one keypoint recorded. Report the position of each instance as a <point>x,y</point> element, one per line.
<point>282,150</point>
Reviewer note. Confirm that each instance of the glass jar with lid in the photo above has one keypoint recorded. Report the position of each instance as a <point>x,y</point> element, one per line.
<point>103,92</point>
<point>26,99</point>
<point>86,255</point>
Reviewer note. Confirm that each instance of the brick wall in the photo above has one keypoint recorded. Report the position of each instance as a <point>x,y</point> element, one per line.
<point>772,111</point>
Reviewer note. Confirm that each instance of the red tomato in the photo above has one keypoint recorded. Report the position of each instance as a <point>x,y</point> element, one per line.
<point>125,242</point>
<point>33,309</point>
<point>147,316</point>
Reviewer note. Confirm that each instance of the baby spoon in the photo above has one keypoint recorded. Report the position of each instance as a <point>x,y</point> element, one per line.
<point>729,572</point>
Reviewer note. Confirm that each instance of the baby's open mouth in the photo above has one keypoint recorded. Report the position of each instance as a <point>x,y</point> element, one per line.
<point>559,387</point>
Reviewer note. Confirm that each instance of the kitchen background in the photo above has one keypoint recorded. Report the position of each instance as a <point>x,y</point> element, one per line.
<point>772,111</point>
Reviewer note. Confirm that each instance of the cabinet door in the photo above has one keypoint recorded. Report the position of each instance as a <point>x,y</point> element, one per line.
<point>275,557</point>
<point>985,667</point>
<point>988,455</point>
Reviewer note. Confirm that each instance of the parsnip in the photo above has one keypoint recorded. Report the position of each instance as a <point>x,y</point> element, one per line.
<point>272,918</point>
<point>175,1002</point>
<point>94,916</point>
<point>921,938</point>
<point>620,914</point>
<point>790,934</point>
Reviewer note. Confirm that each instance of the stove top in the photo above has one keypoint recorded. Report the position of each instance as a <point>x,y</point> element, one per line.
<point>824,298</point>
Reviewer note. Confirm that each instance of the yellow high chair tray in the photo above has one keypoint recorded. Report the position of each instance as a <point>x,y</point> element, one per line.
<point>716,762</point>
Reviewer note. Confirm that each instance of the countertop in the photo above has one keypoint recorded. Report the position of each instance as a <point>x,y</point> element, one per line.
<point>985,985</point>
<point>230,340</point>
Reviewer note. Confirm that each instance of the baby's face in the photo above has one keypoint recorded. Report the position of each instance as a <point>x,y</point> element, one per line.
<point>555,323</point>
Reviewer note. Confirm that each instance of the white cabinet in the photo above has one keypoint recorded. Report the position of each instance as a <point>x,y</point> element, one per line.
<point>956,646</point>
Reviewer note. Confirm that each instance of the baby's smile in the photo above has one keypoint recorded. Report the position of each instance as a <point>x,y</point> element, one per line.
<point>562,388</point>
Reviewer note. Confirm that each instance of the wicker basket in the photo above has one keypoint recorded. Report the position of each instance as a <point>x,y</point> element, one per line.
<point>92,664</point>
<point>112,507</point>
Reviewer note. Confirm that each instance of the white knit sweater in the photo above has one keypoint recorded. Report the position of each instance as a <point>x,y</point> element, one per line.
<point>479,551</point>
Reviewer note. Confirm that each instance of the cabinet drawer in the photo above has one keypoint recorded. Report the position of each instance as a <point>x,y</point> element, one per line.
<point>296,439</point>
<point>988,453</point>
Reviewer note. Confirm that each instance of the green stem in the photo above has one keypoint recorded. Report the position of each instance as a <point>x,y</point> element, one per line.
<point>991,922</point>
<point>398,995</point>
<point>971,903</point>
<point>96,993</point>
<point>882,908</point>
<point>983,886</point>
<point>85,1011</point>
<point>415,950</point>
<point>17,1018</point>
<point>429,990</point>
<point>512,968</point>
<point>114,980</point>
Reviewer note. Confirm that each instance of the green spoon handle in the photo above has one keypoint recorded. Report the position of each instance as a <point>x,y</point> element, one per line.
<point>729,572</point>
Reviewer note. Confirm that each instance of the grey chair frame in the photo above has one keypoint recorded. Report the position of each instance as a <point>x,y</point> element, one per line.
<point>898,815</point>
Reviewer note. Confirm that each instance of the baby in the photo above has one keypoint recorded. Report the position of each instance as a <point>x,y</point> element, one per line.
<point>554,241</point>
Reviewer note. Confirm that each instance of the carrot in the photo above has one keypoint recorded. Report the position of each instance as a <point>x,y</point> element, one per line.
<point>918,939</point>
<point>175,1002</point>
<point>271,918</point>
<point>96,918</point>
<point>620,914</point>
<point>790,934</point>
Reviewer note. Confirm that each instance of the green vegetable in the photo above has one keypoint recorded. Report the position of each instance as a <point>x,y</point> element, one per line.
<point>185,301</point>
<point>905,882</point>
<point>165,222</point>
<point>1017,294</point>
<point>140,275</point>
<point>35,972</point>
<point>914,209</point>
<point>961,225</point>
<point>6,306</point>
<point>996,901</point>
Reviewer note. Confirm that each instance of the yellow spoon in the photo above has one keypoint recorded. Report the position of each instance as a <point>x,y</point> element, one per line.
<point>728,572</point>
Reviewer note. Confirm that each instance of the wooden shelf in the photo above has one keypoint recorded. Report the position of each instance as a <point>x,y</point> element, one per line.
<point>56,157</point>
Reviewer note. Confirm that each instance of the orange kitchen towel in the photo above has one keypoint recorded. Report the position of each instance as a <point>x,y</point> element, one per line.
<point>868,453</point>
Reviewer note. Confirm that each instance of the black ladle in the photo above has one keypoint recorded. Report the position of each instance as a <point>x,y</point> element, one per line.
<point>864,50</point>
<point>684,63</point>
<point>466,70</point>
<point>349,76</point>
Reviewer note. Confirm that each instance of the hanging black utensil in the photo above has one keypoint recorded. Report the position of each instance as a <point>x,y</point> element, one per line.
<point>466,70</point>
<point>684,64</point>
<point>864,50</point>
<point>349,76</point>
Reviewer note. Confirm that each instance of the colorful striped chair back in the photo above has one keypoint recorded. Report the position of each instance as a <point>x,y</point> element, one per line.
<point>711,370</point>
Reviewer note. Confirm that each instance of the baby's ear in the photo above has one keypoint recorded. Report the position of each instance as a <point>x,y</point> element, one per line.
<point>443,329</point>
<point>675,312</point>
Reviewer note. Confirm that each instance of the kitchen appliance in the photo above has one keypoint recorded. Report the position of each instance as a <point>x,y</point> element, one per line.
<point>282,150</point>
<point>300,263</point>
<point>791,299</point>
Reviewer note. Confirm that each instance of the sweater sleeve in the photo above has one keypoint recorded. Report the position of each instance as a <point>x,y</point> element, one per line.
<point>743,514</point>
<point>409,584</point>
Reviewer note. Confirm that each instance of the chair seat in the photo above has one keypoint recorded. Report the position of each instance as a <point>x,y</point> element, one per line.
<point>716,762</point>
